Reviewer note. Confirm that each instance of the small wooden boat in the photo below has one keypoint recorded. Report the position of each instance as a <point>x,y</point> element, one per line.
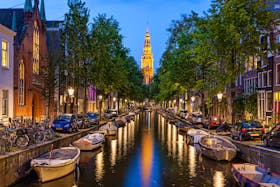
<point>109,129</point>
<point>217,148</point>
<point>90,142</point>
<point>194,135</point>
<point>247,174</point>
<point>56,163</point>
<point>120,121</point>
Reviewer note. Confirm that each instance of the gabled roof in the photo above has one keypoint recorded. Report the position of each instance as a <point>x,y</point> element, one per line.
<point>6,19</point>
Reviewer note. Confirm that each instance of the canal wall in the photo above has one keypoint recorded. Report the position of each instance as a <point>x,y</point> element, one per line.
<point>16,165</point>
<point>255,154</point>
<point>259,155</point>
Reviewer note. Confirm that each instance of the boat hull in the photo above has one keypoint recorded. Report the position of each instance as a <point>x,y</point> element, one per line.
<point>111,132</point>
<point>218,155</point>
<point>48,172</point>
<point>87,146</point>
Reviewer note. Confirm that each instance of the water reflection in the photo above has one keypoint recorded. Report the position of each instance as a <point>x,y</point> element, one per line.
<point>99,163</point>
<point>70,180</point>
<point>147,152</point>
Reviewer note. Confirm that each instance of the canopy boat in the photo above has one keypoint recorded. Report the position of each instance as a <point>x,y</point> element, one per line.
<point>217,148</point>
<point>56,163</point>
<point>247,174</point>
<point>90,142</point>
<point>194,135</point>
<point>109,129</point>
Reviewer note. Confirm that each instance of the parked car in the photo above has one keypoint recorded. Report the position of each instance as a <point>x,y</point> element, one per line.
<point>196,118</point>
<point>246,130</point>
<point>93,118</point>
<point>65,123</point>
<point>183,113</point>
<point>212,122</point>
<point>83,121</point>
<point>272,138</point>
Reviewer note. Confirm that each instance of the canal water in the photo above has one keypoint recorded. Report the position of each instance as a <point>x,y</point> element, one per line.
<point>148,152</point>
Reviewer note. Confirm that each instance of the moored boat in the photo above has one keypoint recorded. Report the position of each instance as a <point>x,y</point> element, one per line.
<point>194,135</point>
<point>217,148</point>
<point>109,129</point>
<point>247,174</point>
<point>90,142</point>
<point>56,163</point>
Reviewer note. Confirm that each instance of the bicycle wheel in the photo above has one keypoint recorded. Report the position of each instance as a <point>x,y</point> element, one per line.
<point>39,137</point>
<point>49,133</point>
<point>22,141</point>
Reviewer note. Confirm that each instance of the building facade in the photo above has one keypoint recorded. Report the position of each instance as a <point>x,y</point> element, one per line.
<point>30,59</point>
<point>147,60</point>
<point>6,73</point>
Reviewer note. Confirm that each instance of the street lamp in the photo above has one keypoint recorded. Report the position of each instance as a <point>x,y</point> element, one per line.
<point>100,104</point>
<point>114,101</point>
<point>71,91</point>
<point>220,96</point>
<point>193,98</point>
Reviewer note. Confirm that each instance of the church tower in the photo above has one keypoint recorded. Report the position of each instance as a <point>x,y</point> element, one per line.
<point>147,60</point>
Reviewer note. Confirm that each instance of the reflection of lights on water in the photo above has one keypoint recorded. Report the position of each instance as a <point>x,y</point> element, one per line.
<point>114,152</point>
<point>125,144</point>
<point>149,120</point>
<point>169,138</point>
<point>180,147</point>
<point>99,162</point>
<point>120,134</point>
<point>174,140</point>
<point>192,161</point>
<point>218,179</point>
<point>146,158</point>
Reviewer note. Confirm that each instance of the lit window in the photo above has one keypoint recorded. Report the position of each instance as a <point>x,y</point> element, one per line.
<point>21,84</point>
<point>5,102</point>
<point>5,62</point>
<point>36,48</point>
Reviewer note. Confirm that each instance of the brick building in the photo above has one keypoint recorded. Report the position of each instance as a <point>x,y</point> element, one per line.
<point>30,58</point>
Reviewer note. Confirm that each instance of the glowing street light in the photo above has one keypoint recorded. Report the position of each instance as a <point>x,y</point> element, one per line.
<point>220,96</point>
<point>193,98</point>
<point>71,91</point>
<point>114,99</point>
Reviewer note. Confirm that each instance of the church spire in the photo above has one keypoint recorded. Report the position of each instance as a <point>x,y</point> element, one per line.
<point>14,22</point>
<point>27,5</point>
<point>42,11</point>
<point>147,60</point>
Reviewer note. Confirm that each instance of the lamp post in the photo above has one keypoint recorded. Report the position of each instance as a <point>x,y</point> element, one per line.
<point>100,105</point>
<point>71,95</point>
<point>192,104</point>
<point>114,102</point>
<point>220,97</point>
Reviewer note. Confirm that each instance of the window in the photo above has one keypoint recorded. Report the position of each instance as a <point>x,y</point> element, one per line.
<point>259,80</point>
<point>36,48</point>
<point>269,78</point>
<point>4,102</point>
<point>278,74</point>
<point>269,101</point>
<point>5,61</point>
<point>261,105</point>
<point>264,79</point>
<point>21,84</point>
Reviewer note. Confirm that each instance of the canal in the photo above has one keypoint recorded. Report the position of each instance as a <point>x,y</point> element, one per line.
<point>145,153</point>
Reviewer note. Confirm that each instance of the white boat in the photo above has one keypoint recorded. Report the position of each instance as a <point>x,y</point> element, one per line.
<point>109,129</point>
<point>56,163</point>
<point>247,174</point>
<point>194,135</point>
<point>217,148</point>
<point>90,142</point>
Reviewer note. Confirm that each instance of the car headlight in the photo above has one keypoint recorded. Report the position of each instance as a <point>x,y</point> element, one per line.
<point>67,125</point>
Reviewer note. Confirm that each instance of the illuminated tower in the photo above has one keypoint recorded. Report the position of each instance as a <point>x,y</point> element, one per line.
<point>147,60</point>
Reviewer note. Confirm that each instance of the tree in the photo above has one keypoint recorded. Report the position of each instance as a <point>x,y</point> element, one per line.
<point>75,42</point>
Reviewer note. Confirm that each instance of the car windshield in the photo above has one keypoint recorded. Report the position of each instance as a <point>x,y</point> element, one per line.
<point>64,117</point>
<point>252,125</point>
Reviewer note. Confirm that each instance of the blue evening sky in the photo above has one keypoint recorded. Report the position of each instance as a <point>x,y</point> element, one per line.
<point>133,16</point>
